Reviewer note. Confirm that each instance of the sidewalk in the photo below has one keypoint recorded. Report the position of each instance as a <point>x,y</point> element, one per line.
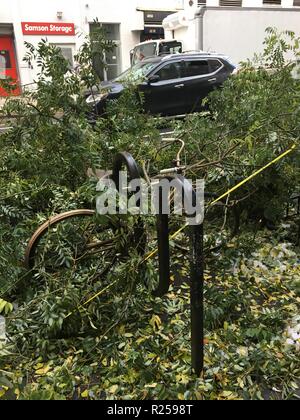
<point>2,329</point>
<point>2,100</point>
<point>3,123</point>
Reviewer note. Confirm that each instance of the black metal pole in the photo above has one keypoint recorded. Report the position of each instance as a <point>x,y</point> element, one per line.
<point>163,255</point>
<point>124,158</point>
<point>196,259</point>
<point>197,313</point>
<point>196,271</point>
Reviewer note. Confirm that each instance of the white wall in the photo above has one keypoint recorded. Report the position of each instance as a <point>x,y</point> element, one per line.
<point>237,33</point>
<point>240,33</point>
<point>259,3</point>
<point>246,3</point>
<point>5,12</point>
<point>159,4</point>
<point>115,11</point>
<point>287,3</point>
<point>252,3</point>
<point>31,11</point>
<point>81,13</point>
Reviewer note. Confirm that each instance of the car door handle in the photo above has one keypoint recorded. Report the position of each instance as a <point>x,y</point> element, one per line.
<point>214,79</point>
<point>179,86</point>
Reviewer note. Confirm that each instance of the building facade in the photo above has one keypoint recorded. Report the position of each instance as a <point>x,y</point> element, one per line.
<point>65,23</point>
<point>236,28</point>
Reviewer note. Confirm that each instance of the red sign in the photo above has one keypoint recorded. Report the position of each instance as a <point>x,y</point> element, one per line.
<point>41,28</point>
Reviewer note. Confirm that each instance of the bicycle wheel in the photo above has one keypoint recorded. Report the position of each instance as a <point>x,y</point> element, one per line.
<point>77,239</point>
<point>31,249</point>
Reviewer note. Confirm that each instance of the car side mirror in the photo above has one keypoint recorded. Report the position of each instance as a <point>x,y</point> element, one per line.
<point>153,79</point>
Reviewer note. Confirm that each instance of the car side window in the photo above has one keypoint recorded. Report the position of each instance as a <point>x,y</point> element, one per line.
<point>196,68</point>
<point>169,71</point>
<point>214,65</point>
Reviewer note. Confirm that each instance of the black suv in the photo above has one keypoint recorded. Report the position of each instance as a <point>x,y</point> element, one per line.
<point>171,85</point>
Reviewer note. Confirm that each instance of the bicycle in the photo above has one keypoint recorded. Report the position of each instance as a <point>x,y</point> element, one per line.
<point>101,247</point>
<point>86,238</point>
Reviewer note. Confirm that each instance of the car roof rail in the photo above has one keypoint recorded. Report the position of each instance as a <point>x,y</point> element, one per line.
<point>149,57</point>
<point>195,51</point>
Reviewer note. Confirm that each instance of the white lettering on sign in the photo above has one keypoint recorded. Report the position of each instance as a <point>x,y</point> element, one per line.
<point>34,28</point>
<point>66,29</point>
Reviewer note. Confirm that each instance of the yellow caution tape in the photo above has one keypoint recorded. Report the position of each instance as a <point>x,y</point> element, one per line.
<point>253,175</point>
<point>93,297</point>
<point>226,194</point>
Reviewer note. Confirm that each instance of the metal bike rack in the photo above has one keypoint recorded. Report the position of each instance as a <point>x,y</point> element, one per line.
<point>196,271</point>
<point>196,255</point>
<point>124,158</point>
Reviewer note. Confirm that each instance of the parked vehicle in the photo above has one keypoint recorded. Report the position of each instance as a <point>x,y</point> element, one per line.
<point>171,85</point>
<point>154,48</point>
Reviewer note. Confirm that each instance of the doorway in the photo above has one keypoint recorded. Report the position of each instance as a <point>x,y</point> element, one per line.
<point>112,58</point>
<point>8,64</point>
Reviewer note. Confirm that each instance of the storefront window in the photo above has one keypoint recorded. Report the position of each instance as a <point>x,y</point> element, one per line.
<point>112,31</point>
<point>67,51</point>
<point>112,59</point>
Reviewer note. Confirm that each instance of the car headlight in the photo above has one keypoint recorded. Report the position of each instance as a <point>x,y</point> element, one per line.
<point>97,97</point>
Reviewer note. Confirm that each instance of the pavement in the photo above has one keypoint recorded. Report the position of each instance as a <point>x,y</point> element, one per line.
<point>4,129</point>
<point>2,101</point>
<point>2,329</point>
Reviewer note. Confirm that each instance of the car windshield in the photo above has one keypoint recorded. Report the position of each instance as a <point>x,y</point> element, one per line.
<point>140,52</point>
<point>136,73</point>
